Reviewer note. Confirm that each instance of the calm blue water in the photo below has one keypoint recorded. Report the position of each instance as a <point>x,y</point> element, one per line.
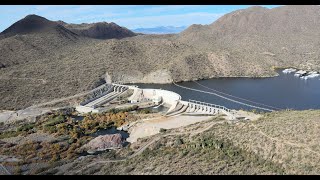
<point>284,91</point>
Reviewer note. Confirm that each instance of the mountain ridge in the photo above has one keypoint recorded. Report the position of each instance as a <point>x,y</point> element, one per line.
<point>99,30</point>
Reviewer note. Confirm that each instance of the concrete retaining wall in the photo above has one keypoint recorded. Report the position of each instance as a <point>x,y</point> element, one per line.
<point>168,97</point>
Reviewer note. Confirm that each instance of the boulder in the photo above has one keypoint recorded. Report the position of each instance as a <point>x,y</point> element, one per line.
<point>104,142</point>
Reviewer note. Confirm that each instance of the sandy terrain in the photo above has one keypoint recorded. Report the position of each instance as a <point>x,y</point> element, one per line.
<point>151,127</point>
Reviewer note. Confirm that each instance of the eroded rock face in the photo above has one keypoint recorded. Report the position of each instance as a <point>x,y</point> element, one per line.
<point>104,142</point>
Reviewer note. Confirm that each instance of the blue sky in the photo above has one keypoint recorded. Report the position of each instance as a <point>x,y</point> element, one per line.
<point>130,16</point>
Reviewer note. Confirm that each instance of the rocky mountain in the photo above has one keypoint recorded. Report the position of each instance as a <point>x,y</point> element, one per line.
<point>53,59</point>
<point>31,38</point>
<point>100,30</point>
<point>282,36</point>
<point>33,24</point>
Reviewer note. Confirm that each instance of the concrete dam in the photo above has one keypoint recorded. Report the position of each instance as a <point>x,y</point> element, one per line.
<point>156,97</point>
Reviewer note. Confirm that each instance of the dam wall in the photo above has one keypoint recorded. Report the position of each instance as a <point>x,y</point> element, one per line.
<point>168,97</point>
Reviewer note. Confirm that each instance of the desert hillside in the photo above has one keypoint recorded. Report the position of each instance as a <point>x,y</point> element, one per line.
<point>282,36</point>
<point>101,30</point>
<point>283,142</point>
<point>279,143</point>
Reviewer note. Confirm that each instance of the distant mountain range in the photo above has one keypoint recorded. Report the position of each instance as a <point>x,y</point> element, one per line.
<point>160,30</point>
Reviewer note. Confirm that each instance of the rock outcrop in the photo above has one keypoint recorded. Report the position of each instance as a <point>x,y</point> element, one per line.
<point>104,142</point>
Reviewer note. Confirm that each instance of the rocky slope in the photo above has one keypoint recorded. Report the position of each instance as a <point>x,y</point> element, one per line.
<point>282,36</point>
<point>54,59</point>
<point>33,38</point>
<point>100,30</point>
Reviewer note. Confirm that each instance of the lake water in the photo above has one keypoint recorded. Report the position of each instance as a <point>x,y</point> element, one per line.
<point>284,91</point>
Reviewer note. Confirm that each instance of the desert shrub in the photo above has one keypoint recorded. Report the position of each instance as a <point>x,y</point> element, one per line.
<point>93,170</point>
<point>56,164</point>
<point>54,158</point>
<point>17,170</point>
<point>52,172</point>
<point>162,130</point>
<point>114,111</point>
<point>38,170</point>
<point>128,169</point>
<point>8,134</point>
<point>184,153</point>
<point>57,120</point>
<point>26,127</point>
<point>157,145</point>
<point>178,141</point>
<point>145,111</point>
<point>50,129</point>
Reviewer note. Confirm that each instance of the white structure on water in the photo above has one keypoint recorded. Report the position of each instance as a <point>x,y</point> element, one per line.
<point>290,70</point>
<point>300,73</point>
<point>312,75</point>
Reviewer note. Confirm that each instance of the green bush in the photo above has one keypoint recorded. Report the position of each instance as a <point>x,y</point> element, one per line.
<point>26,127</point>
<point>72,140</point>
<point>57,120</point>
<point>145,111</point>
<point>179,141</point>
<point>132,108</point>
